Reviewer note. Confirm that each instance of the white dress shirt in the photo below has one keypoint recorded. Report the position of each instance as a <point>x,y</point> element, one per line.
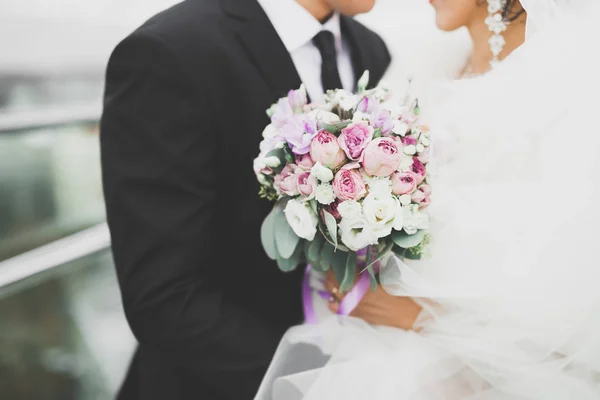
<point>297,27</point>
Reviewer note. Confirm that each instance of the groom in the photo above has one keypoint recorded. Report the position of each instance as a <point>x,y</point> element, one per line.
<point>184,109</point>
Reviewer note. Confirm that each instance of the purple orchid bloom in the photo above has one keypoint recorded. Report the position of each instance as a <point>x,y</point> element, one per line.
<point>382,119</point>
<point>299,131</point>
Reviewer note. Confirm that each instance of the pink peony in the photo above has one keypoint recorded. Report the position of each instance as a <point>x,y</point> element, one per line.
<point>326,150</point>
<point>381,157</point>
<point>422,196</point>
<point>286,181</point>
<point>403,183</point>
<point>304,161</point>
<point>306,183</point>
<point>349,185</point>
<point>355,138</point>
<point>419,170</point>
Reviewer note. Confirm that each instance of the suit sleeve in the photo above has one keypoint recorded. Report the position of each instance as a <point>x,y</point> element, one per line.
<point>159,150</point>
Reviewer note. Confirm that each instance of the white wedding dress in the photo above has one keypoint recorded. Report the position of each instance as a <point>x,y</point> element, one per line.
<point>512,287</point>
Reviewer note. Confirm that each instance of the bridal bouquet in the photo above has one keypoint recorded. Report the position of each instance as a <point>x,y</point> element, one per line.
<point>349,178</point>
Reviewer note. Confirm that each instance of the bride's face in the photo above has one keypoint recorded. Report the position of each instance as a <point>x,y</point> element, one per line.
<point>454,14</point>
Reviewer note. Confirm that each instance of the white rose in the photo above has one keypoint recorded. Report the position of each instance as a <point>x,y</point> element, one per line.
<point>263,180</point>
<point>380,213</point>
<point>380,187</point>
<point>400,128</point>
<point>301,218</point>
<point>359,117</point>
<point>324,194</point>
<point>405,199</point>
<point>269,132</point>
<point>323,116</point>
<point>259,164</point>
<point>406,163</point>
<point>410,150</point>
<point>356,233</point>
<point>348,103</point>
<point>414,219</point>
<point>272,162</point>
<point>350,209</point>
<point>322,173</point>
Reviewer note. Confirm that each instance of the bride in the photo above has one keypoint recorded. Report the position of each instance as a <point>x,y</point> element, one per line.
<point>507,306</point>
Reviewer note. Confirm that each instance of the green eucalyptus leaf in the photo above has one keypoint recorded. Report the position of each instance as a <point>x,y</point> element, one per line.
<point>377,133</point>
<point>314,250</point>
<point>349,272</point>
<point>290,264</point>
<point>285,238</point>
<point>331,224</point>
<point>372,277</point>
<point>314,205</point>
<point>280,154</point>
<point>327,256</point>
<point>267,235</point>
<point>338,265</point>
<point>406,241</point>
<point>335,128</point>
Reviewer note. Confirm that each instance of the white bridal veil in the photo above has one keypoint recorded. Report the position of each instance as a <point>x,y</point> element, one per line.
<point>511,291</point>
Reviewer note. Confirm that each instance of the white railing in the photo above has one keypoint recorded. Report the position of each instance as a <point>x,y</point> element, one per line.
<point>16,121</point>
<point>55,254</point>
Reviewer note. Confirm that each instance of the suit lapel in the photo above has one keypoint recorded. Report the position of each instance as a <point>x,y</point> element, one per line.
<point>263,45</point>
<point>362,54</point>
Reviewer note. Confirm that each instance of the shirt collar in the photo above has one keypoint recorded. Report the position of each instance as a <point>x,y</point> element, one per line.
<point>296,26</point>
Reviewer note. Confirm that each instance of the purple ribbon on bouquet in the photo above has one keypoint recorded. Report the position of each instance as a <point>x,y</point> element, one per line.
<point>348,303</point>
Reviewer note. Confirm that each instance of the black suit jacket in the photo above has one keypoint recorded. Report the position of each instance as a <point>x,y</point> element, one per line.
<point>184,109</point>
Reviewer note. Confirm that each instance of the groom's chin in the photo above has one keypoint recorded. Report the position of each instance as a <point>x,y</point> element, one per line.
<point>352,7</point>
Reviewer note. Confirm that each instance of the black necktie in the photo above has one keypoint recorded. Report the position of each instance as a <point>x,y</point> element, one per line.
<point>330,75</point>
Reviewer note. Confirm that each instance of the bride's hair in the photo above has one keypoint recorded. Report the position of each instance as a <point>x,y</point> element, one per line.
<point>512,9</point>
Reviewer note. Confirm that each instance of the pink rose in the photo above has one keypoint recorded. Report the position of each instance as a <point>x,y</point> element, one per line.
<point>306,183</point>
<point>422,196</point>
<point>355,138</point>
<point>381,157</point>
<point>403,183</point>
<point>286,181</point>
<point>419,170</point>
<point>326,150</point>
<point>349,185</point>
<point>304,161</point>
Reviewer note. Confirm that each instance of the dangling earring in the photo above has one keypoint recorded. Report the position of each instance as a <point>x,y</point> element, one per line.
<point>497,25</point>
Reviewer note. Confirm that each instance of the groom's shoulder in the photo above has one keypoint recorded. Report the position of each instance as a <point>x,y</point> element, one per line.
<point>376,43</point>
<point>189,23</point>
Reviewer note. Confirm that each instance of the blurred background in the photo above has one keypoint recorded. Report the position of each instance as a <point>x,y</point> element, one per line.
<point>62,330</point>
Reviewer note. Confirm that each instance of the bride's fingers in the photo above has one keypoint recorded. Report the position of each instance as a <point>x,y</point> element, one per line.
<point>331,286</point>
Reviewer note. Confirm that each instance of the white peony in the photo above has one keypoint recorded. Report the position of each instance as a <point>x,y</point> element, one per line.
<point>350,209</point>
<point>380,187</point>
<point>356,233</point>
<point>301,218</point>
<point>321,172</point>
<point>324,194</point>
<point>380,213</point>
<point>414,219</point>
